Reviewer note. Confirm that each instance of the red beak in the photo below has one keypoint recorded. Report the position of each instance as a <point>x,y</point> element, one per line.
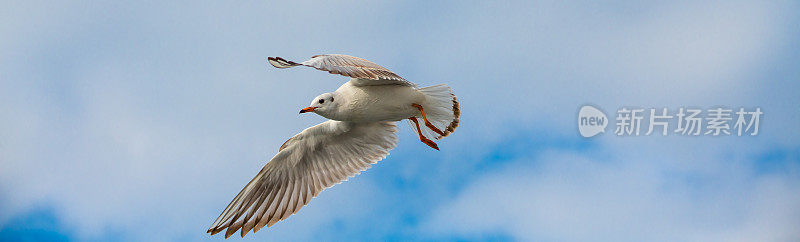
<point>308,109</point>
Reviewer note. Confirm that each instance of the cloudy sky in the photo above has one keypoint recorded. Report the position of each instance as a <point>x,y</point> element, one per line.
<point>141,120</point>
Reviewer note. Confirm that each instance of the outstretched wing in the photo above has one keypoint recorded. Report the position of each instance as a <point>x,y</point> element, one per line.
<point>309,162</point>
<point>362,71</point>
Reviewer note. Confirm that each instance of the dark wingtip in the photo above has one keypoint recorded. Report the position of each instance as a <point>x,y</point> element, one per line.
<point>280,62</point>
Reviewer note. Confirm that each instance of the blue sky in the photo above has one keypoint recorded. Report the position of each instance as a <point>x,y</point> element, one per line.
<point>141,120</point>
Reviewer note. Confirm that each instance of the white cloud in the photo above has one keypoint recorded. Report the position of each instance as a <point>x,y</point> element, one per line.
<point>582,198</point>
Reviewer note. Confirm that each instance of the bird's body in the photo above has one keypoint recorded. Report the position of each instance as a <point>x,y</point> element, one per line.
<point>363,104</point>
<point>361,131</point>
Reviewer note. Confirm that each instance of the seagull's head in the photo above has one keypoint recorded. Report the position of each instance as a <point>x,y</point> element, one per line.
<point>323,105</point>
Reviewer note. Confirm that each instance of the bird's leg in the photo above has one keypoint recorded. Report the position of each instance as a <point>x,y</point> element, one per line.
<point>421,137</point>
<point>429,124</point>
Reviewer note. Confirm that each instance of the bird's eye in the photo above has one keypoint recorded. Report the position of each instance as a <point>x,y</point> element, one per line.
<point>331,99</point>
<point>321,100</point>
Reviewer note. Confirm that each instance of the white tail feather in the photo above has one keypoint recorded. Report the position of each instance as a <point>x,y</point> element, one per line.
<point>442,110</point>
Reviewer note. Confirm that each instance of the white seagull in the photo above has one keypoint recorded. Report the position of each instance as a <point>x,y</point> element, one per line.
<point>361,131</point>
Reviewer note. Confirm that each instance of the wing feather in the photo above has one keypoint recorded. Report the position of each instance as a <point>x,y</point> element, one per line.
<point>362,71</point>
<point>309,162</point>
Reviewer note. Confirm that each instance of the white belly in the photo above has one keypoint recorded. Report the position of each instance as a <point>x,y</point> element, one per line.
<point>378,103</point>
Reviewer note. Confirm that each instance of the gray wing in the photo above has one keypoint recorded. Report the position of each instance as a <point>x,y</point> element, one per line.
<point>309,162</point>
<point>362,71</point>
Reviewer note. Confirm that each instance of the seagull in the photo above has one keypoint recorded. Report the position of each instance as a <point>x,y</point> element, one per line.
<point>361,130</point>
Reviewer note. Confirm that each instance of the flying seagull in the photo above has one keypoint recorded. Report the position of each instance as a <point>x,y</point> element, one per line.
<point>360,131</point>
